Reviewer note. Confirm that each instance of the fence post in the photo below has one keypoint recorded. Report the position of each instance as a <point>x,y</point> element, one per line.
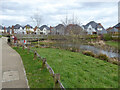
<point>56,78</point>
<point>17,44</point>
<point>43,64</point>
<point>28,49</point>
<point>35,55</point>
<point>23,47</point>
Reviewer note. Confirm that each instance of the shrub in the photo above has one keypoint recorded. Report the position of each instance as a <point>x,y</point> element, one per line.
<point>73,50</point>
<point>107,37</point>
<point>115,62</point>
<point>103,57</point>
<point>88,53</point>
<point>36,46</point>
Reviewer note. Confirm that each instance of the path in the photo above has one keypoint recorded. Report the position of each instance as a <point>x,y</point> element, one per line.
<point>13,74</point>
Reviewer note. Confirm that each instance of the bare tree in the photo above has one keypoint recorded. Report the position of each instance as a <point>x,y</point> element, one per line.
<point>37,18</point>
<point>73,25</point>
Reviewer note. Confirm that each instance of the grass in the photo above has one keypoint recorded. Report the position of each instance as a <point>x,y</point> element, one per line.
<point>37,78</point>
<point>81,71</point>
<point>112,43</point>
<point>0,36</point>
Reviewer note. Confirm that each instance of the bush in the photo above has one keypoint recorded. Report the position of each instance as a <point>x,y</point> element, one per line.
<point>103,57</point>
<point>107,37</point>
<point>88,53</point>
<point>115,62</point>
<point>36,46</point>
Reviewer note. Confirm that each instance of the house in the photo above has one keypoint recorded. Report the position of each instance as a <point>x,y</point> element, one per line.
<point>28,29</point>
<point>1,29</point>
<point>37,30</point>
<point>18,29</point>
<point>59,29</point>
<point>8,30</point>
<point>117,26</point>
<point>52,30</point>
<point>73,29</point>
<point>114,30</point>
<point>44,29</point>
<point>94,28</point>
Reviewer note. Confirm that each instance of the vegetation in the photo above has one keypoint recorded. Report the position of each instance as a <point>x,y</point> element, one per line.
<point>88,53</point>
<point>103,57</point>
<point>37,78</point>
<point>80,71</point>
<point>0,36</point>
<point>113,43</point>
<point>107,37</point>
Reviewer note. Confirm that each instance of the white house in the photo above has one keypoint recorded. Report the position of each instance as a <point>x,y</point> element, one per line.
<point>44,30</point>
<point>94,28</point>
<point>90,30</point>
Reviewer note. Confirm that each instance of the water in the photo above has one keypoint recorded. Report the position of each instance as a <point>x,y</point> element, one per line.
<point>98,51</point>
<point>95,50</point>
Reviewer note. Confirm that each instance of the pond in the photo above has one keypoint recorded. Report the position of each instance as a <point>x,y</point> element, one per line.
<point>95,50</point>
<point>98,51</point>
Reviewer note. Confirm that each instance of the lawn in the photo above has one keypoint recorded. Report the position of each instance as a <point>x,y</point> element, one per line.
<point>0,36</point>
<point>112,43</point>
<point>80,71</point>
<point>37,78</point>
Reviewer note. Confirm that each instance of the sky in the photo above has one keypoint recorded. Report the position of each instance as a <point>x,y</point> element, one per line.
<point>54,11</point>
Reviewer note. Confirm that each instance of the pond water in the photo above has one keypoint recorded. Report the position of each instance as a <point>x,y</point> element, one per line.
<point>95,50</point>
<point>98,51</point>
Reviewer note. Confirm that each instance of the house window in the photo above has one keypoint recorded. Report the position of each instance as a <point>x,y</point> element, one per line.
<point>90,29</point>
<point>94,32</point>
<point>41,32</point>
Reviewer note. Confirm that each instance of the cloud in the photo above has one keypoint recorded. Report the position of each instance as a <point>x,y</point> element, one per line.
<point>20,11</point>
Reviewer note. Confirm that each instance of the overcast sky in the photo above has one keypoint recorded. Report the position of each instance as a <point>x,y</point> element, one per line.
<point>53,11</point>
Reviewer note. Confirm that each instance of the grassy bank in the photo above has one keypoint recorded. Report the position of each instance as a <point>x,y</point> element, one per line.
<point>80,71</point>
<point>37,78</point>
<point>112,43</point>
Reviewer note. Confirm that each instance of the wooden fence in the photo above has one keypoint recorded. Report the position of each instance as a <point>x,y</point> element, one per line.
<point>55,76</point>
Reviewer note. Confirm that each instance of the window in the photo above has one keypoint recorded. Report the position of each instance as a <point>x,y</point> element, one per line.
<point>41,32</point>
<point>90,29</point>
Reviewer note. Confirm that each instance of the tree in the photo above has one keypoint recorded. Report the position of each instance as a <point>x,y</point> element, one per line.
<point>37,18</point>
<point>12,29</point>
<point>73,25</point>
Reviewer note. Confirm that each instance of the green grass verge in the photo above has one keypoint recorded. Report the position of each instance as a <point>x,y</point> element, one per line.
<point>0,36</point>
<point>37,78</point>
<point>113,43</point>
<point>80,71</point>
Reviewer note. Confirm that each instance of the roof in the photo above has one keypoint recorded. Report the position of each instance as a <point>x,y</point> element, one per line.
<point>17,26</point>
<point>1,27</point>
<point>113,30</point>
<point>28,26</point>
<point>94,25</point>
<point>117,26</point>
<point>60,26</point>
<point>44,26</point>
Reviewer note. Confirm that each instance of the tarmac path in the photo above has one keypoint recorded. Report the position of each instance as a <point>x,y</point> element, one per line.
<point>13,73</point>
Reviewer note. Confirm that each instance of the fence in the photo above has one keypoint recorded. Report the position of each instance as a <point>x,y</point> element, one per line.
<point>55,76</point>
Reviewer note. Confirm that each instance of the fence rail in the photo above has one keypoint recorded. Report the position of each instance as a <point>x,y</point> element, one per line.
<point>55,76</point>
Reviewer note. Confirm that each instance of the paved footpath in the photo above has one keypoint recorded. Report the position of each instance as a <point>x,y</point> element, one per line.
<point>13,73</point>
